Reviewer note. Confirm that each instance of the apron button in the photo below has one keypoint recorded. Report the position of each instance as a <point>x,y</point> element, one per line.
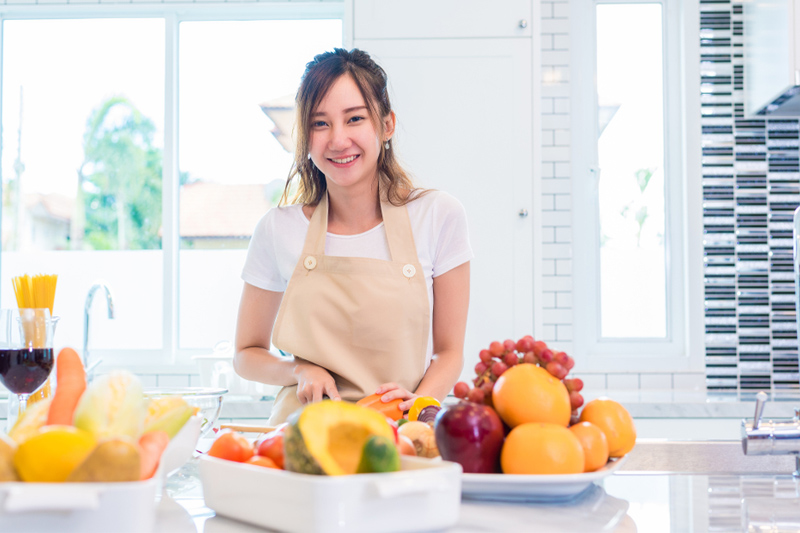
<point>310,262</point>
<point>409,271</point>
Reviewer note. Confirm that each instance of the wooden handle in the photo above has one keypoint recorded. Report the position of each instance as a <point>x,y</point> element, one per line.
<point>247,428</point>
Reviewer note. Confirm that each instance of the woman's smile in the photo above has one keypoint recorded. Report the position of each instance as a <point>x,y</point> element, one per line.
<point>343,162</point>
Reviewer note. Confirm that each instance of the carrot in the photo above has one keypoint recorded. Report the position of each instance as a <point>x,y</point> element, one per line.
<point>151,445</point>
<point>70,384</point>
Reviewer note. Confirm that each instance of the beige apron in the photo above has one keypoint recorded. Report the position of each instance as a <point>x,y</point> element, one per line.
<point>366,321</point>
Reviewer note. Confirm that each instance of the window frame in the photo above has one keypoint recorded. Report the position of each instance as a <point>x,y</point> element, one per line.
<point>682,349</point>
<point>178,360</point>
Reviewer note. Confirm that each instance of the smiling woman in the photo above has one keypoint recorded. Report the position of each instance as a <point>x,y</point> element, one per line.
<point>91,179</point>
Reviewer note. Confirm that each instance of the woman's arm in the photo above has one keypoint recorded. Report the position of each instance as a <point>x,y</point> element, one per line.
<point>253,359</point>
<point>450,304</point>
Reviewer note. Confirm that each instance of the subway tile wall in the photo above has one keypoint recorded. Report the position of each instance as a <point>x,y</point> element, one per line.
<point>750,190</point>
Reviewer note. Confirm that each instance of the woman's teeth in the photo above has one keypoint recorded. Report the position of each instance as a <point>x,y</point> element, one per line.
<point>345,160</point>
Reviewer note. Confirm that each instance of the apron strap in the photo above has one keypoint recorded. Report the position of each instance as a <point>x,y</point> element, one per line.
<point>395,222</point>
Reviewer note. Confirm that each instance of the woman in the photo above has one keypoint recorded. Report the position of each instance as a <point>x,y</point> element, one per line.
<point>363,278</point>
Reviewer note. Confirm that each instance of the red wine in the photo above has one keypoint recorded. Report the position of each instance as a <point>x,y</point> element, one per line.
<point>23,371</point>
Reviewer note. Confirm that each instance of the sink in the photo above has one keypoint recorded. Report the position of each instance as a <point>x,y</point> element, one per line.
<point>703,457</point>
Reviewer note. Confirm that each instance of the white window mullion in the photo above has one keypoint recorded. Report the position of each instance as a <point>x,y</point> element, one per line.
<point>170,191</point>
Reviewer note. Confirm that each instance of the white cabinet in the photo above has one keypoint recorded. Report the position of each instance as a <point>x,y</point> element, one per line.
<point>466,126</point>
<point>409,19</point>
<point>772,57</point>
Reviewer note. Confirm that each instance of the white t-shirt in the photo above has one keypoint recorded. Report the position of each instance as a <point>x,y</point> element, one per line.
<point>438,223</point>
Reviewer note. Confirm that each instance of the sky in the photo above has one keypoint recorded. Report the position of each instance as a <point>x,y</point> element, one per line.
<point>226,70</point>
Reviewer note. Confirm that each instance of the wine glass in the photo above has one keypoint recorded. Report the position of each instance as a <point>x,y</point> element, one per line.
<point>26,354</point>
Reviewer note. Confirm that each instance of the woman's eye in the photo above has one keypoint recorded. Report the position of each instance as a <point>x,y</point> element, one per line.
<point>319,124</point>
<point>356,119</point>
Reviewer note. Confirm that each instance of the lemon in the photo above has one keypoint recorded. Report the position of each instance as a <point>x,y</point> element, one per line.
<point>53,453</point>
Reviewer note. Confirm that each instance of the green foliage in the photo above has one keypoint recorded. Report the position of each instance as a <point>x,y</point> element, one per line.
<point>121,179</point>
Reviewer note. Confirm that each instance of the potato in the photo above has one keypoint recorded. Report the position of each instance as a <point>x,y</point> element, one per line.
<point>7,449</point>
<point>112,460</point>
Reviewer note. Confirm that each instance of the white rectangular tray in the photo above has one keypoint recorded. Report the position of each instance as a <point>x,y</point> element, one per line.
<point>515,487</point>
<point>424,495</point>
<point>79,507</point>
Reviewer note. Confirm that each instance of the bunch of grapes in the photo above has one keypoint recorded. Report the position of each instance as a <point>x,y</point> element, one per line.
<point>500,356</point>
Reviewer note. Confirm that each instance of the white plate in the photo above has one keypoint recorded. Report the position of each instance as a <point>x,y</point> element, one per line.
<point>516,487</point>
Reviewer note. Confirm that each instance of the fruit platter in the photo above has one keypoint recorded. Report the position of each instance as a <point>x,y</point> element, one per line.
<point>521,432</point>
<point>90,455</point>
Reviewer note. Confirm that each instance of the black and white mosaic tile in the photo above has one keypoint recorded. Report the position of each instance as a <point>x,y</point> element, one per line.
<point>751,186</point>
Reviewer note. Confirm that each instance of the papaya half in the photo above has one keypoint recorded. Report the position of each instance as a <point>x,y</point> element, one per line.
<point>328,437</point>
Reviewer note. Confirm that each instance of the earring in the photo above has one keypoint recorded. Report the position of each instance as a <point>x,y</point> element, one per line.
<point>386,145</point>
<point>309,156</point>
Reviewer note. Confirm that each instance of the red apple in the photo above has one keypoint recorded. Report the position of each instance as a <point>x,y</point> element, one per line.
<point>471,435</point>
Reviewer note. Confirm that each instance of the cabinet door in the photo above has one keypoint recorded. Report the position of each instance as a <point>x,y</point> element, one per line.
<point>464,126</point>
<point>418,19</point>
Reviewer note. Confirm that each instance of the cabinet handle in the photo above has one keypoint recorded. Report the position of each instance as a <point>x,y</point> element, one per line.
<point>523,23</point>
<point>523,213</point>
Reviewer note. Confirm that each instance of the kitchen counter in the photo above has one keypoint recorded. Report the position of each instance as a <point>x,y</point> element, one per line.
<point>662,487</point>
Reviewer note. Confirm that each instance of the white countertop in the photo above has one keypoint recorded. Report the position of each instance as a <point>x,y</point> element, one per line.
<point>630,501</point>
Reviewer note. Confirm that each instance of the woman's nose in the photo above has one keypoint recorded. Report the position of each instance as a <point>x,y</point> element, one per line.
<point>339,138</point>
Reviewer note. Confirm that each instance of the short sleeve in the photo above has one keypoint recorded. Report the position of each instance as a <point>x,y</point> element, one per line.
<point>261,267</point>
<point>452,241</point>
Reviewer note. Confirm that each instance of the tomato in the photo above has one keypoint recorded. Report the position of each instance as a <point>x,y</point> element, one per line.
<point>260,460</point>
<point>231,446</point>
<point>271,445</point>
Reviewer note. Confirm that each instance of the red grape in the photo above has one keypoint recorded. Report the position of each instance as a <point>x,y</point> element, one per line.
<point>461,389</point>
<point>575,399</point>
<point>545,356</point>
<point>511,359</point>
<point>539,347</point>
<point>498,368</point>
<point>496,348</point>
<point>560,358</point>
<point>555,369</point>
<point>529,357</point>
<point>525,344</point>
<point>476,396</point>
<point>487,387</point>
<point>577,384</point>
<point>481,367</point>
<point>509,345</point>
<point>486,356</point>
<point>570,363</point>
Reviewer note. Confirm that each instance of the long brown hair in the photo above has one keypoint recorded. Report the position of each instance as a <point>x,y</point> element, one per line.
<point>371,80</point>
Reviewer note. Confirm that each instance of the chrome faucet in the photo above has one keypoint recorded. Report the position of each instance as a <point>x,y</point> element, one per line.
<point>87,306</point>
<point>773,437</point>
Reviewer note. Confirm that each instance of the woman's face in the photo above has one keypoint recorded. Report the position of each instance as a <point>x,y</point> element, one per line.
<point>344,144</point>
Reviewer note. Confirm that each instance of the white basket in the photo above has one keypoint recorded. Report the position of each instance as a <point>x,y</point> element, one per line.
<point>424,495</point>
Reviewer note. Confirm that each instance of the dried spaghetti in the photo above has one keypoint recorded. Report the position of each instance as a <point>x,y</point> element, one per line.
<point>37,291</point>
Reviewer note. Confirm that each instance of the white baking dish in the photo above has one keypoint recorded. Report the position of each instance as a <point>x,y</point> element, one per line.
<point>79,507</point>
<point>94,507</point>
<point>425,495</point>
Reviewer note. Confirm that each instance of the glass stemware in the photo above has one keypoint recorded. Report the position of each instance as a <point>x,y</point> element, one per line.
<point>26,354</point>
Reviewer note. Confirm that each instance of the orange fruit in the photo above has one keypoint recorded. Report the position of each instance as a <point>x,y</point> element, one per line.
<point>538,448</point>
<point>616,423</point>
<point>529,393</point>
<point>594,443</point>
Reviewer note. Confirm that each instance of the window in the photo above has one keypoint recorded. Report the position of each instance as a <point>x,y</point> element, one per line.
<point>147,162</point>
<point>628,183</point>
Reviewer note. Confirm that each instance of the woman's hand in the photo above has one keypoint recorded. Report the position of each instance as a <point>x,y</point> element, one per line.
<point>392,391</point>
<point>313,383</point>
